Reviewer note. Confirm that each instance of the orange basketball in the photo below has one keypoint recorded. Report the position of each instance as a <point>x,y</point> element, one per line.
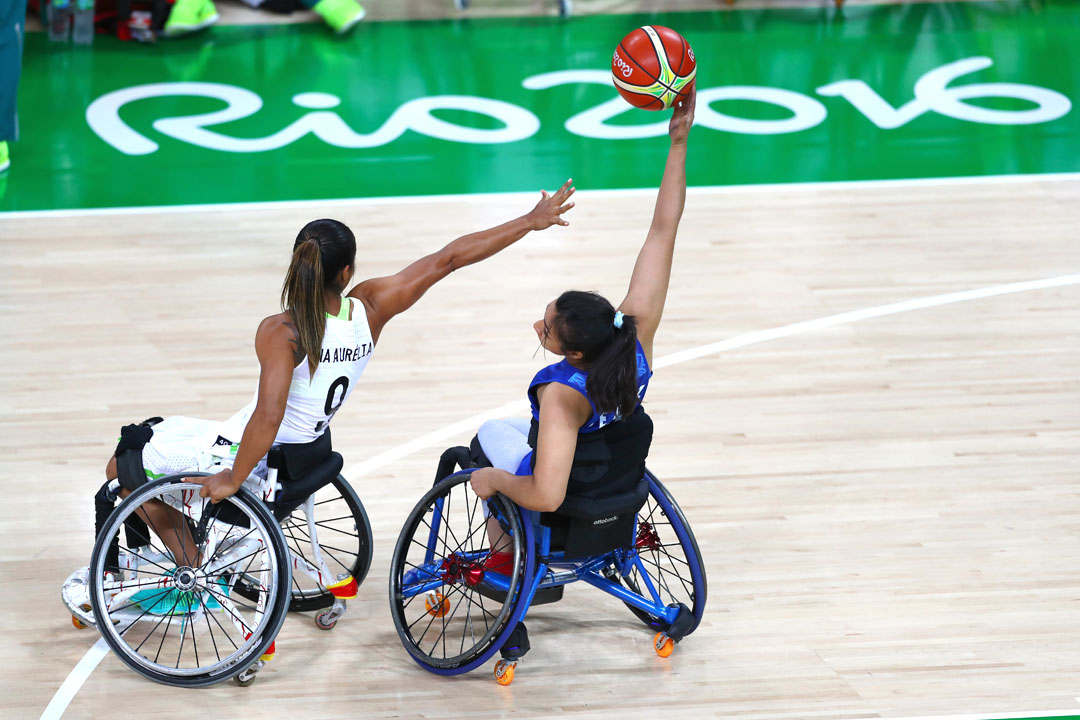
<point>653,67</point>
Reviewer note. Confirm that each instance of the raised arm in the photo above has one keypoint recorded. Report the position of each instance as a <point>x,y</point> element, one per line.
<point>652,271</point>
<point>385,297</point>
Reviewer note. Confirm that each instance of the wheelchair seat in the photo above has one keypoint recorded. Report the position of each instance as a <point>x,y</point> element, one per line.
<point>585,526</point>
<point>302,470</point>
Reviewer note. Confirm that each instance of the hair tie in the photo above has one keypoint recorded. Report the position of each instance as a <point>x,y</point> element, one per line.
<point>618,319</point>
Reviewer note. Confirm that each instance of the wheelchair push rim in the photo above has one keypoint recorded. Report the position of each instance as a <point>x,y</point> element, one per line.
<point>181,623</point>
<point>668,565</point>
<point>451,612</point>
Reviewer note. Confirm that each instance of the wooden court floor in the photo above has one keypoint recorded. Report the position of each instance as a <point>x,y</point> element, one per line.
<point>887,505</point>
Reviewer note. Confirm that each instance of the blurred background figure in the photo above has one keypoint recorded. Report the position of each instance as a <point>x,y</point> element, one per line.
<point>12,25</point>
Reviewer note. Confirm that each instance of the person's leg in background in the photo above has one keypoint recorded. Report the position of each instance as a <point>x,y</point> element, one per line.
<point>188,16</point>
<point>340,15</point>
<point>12,25</point>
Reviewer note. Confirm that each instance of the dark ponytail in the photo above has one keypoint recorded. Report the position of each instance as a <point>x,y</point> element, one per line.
<point>323,248</point>
<point>585,322</point>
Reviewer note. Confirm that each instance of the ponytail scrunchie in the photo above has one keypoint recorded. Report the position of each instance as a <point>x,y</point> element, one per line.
<point>618,319</point>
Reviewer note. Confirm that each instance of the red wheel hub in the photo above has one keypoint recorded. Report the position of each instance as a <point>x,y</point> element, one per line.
<point>647,539</point>
<point>455,569</point>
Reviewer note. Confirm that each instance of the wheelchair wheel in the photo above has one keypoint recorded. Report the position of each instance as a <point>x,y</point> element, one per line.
<point>668,556</point>
<point>344,536</point>
<point>181,623</point>
<point>451,607</point>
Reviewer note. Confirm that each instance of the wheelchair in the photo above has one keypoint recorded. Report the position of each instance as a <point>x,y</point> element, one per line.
<point>454,608</point>
<point>300,540</point>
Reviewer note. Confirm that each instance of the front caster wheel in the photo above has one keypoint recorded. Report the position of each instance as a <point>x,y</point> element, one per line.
<point>663,645</point>
<point>504,671</point>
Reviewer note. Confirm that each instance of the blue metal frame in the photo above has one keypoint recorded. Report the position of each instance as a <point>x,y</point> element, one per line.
<point>546,569</point>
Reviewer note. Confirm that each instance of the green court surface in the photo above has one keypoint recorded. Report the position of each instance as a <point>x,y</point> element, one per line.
<point>268,113</point>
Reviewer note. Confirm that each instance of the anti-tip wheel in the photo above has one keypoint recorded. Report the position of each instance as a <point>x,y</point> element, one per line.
<point>436,604</point>
<point>245,678</point>
<point>663,645</point>
<point>324,621</point>
<point>504,672</point>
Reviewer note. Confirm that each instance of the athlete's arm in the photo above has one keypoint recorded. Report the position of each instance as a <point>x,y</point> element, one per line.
<point>652,271</point>
<point>563,411</point>
<point>275,346</point>
<point>385,297</point>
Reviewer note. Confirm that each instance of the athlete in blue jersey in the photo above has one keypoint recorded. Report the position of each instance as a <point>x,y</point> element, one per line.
<point>607,355</point>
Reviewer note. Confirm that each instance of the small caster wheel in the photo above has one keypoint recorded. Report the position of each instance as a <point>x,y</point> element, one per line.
<point>245,678</point>
<point>79,624</point>
<point>663,645</point>
<point>504,672</point>
<point>325,620</point>
<point>436,604</point>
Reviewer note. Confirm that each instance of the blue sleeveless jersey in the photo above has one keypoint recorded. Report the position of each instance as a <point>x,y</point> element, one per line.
<point>566,374</point>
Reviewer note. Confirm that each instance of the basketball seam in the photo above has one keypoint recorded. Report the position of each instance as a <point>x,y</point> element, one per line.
<point>661,62</point>
<point>634,60</point>
<point>682,56</point>
<point>652,98</point>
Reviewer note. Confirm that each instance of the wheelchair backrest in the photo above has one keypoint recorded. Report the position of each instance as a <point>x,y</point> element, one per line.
<point>303,469</point>
<point>607,462</point>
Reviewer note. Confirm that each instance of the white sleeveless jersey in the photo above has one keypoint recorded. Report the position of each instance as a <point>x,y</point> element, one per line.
<point>346,349</point>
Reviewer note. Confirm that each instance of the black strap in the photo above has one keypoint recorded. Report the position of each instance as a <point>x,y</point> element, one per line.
<point>129,464</point>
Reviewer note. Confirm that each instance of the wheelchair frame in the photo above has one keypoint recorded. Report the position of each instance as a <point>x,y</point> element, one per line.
<point>545,569</point>
<point>212,535</point>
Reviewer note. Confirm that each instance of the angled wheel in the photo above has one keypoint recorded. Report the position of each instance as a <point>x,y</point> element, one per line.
<point>180,622</point>
<point>668,565</point>
<point>344,536</point>
<point>444,552</point>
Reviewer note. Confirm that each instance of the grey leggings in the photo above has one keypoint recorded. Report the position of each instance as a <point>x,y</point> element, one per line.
<point>505,442</point>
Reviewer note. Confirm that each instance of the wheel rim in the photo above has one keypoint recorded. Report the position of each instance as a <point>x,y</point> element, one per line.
<point>442,549</point>
<point>183,620</point>
<point>668,564</point>
<point>345,546</point>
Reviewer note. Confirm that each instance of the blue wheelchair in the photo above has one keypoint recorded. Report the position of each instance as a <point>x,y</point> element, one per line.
<point>457,596</point>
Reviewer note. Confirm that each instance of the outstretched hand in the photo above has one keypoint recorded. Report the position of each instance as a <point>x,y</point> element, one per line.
<point>550,209</point>
<point>683,118</point>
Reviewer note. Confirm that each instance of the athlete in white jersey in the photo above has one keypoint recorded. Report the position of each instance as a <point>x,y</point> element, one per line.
<point>313,399</point>
<point>312,354</point>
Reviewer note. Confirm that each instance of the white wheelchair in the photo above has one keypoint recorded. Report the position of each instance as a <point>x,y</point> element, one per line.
<point>298,540</point>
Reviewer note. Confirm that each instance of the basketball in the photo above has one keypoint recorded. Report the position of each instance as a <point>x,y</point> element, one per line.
<point>653,67</point>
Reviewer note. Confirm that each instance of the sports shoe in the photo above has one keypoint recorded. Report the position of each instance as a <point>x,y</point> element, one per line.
<point>340,15</point>
<point>188,16</point>
<point>170,601</point>
<point>5,159</point>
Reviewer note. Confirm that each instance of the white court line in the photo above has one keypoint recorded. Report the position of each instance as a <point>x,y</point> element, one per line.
<point>90,661</point>
<point>632,192</point>
<point>75,679</point>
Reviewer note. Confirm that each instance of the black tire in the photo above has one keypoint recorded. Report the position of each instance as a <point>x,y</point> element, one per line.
<point>671,556</point>
<point>345,539</point>
<point>242,633</point>
<point>444,540</point>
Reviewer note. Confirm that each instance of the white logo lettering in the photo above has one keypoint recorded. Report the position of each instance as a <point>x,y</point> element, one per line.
<point>624,68</point>
<point>806,112</point>
<point>932,93</point>
<point>103,116</point>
